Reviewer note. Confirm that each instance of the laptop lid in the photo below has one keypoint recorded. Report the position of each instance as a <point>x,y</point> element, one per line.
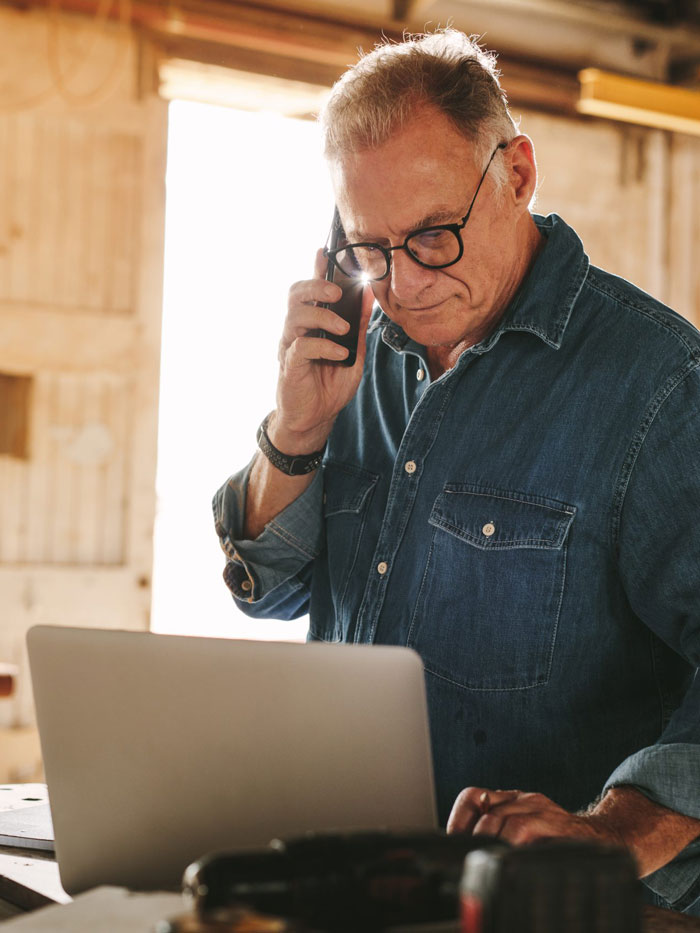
<point>160,748</point>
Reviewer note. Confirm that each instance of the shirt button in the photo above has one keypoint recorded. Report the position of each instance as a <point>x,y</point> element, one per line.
<point>382,567</point>
<point>420,375</point>
<point>246,586</point>
<point>488,529</point>
<point>410,466</point>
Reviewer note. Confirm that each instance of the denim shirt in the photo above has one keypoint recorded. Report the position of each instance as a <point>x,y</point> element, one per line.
<point>527,522</point>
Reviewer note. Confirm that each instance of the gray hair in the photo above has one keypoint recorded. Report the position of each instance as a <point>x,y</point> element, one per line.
<point>447,69</point>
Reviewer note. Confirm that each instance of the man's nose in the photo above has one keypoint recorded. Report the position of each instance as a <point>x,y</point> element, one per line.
<point>407,277</point>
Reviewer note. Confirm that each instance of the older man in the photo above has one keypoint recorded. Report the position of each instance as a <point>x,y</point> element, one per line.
<point>509,478</point>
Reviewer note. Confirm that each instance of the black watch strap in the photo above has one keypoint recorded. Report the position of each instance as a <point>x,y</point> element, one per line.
<point>291,465</point>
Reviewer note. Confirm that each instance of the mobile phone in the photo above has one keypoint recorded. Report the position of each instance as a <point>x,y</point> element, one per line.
<point>349,307</point>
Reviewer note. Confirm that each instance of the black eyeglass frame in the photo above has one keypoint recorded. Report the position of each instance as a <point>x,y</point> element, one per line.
<point>456,229</point>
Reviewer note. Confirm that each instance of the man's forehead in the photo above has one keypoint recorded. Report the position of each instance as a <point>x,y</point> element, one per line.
<point>376,201</point>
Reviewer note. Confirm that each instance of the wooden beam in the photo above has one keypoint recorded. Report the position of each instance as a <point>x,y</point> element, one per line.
<point>312,48</point>
<point>402,9</point>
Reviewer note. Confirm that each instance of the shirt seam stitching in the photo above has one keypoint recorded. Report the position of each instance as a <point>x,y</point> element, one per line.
<point>290,539</point>
<point>635,447</point>
<point>652,315</point>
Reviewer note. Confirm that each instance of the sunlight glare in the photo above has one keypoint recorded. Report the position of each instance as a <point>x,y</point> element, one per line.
<point>248,204</point>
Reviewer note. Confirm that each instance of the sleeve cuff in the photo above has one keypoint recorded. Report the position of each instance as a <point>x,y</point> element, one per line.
<point>286,545</point>
<point>669,775</point>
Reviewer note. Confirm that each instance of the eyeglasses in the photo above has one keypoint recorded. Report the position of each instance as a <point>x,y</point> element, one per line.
<point>433,247</point>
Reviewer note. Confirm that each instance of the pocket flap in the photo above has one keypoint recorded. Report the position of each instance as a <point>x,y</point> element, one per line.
<point>494,519</point>
<point>345,487</point>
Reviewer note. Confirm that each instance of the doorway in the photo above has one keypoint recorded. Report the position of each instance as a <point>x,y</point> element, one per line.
<point>248,203</point>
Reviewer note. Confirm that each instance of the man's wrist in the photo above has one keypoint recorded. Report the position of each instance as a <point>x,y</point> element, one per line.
<point>296,443</point>
<point>291,464</point>
<point>651,832</point>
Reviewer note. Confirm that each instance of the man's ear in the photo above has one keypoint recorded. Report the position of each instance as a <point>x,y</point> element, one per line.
<point>522,170</point>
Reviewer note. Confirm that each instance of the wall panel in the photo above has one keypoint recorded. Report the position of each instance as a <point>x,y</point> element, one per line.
<point>69,217</point>
<point>66,504</point>
<point>82,203</point>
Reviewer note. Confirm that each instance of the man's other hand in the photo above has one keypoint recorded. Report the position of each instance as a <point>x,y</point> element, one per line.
<point>520,818</point>
<point>623,817</point>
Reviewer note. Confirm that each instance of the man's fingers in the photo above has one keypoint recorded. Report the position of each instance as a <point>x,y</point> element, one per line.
<point>307,318</point>
<point>472,803</point>
<point>312,291</point>
<point>489,824</point>
<point>304,349</point>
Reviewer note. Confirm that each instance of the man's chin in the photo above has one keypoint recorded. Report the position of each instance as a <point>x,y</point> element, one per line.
<point>431,334</point>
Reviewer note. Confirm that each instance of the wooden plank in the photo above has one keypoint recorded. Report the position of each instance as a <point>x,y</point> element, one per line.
<point>683,208</point>
<point>71,246</point>
<point>6,204</point>
<point>35,544</point>
<point>96,166</point>
<point>36,337</point>
<point>142,453</point>
<point>122,270</point>
<point>11,496</point>
<point>112,518</point>
<point>60,500</point>
<point>657,221</point>
<point>25,204</point>
<point>68,234</point>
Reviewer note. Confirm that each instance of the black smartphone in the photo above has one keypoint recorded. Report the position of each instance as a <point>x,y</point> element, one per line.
<point>349,307</point>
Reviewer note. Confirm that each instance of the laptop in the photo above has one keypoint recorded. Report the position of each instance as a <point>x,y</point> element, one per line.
<point>161,748</point>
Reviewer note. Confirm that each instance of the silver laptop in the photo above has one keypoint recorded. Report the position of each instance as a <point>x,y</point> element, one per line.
<point>160,748</point>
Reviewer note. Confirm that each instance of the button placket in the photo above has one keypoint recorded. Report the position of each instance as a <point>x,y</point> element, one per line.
<point>418,437</point>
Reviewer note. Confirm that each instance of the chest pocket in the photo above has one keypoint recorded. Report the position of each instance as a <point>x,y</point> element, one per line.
<point>487,612</point>
<point>347,492</point>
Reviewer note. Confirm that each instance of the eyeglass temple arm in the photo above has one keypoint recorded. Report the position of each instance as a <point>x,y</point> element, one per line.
<point>481,181</point>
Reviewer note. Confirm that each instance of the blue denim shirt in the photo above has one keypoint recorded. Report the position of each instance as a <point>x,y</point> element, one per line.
<point>529,523</point>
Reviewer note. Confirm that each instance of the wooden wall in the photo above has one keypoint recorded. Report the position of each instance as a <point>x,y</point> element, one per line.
<point>633,196</point>
<point>82,171</point>
<point>82,168</point>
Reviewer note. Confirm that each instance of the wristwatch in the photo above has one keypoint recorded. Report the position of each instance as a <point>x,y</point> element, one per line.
<point>297,465</point>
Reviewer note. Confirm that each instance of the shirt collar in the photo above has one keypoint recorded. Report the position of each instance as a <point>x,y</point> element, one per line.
<point>544,301</point>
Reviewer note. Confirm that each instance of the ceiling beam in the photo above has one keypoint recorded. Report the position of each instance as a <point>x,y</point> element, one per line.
<point>312,48</point>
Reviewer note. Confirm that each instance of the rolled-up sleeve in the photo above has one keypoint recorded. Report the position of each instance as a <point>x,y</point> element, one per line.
<point>658,538</point>
<point>269,577</point>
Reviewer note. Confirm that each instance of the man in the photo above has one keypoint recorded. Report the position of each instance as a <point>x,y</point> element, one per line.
<point>509,480</point>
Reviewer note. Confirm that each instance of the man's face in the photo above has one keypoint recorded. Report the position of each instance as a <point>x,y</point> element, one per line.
<point>424,175</point>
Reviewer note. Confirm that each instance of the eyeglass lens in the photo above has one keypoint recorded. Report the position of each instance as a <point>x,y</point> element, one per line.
<point>431,247</point>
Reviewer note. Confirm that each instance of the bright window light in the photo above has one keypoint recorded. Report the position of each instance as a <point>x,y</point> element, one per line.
<point>248,204</point>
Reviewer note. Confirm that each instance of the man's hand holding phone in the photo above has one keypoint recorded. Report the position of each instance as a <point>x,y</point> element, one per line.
<point>312,387</point>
